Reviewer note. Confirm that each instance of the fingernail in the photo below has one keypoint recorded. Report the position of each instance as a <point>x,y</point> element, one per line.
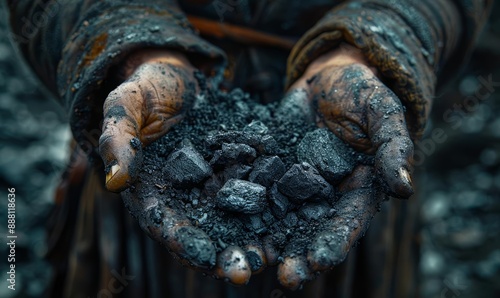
<point>112,172</point>
<point>405,176</point>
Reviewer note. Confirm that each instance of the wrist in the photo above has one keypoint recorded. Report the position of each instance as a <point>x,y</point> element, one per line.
<point>150,56</point>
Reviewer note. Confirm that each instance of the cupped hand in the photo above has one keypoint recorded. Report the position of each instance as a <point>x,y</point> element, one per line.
<point>159,88</point>
<point>160,85</point>
<point>344,94</point>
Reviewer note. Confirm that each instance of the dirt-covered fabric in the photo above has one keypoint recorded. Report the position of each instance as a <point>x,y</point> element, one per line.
<point>411,43</point>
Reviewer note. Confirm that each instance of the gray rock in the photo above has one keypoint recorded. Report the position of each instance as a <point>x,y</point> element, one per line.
<point>315,211</point>
<point>185,167</point>
<point>241,196</point>
<point>332,157</point>
<point>278,202</point>
<point>266,170</point>
<point>302,181</point>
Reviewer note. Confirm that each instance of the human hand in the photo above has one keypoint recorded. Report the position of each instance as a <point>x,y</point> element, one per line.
<point>345,95</point>
<point>160,85</point>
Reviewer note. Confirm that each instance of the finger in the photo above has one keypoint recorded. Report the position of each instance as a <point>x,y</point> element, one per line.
<point>270,251</point>
<point>389,134</point>
<point>256,258</point>
<point>355,209</point>
<point>119,145</point>
<point>293,272</point>
<point>174,231</point>
<point>233,266</point>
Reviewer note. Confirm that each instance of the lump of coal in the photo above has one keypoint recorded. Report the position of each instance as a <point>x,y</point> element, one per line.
<point>213,185</point>
<point>322,149</point>
<point>254,223</point>
<point>266,170</point>
<point>237,171</point>
<point>186,167</point>
<point>315,211</point>
<point>278,202</point>
<point>264,144</point>
<point>302,181</point>
<point>233,153</point>
<point>291,220</point>
<point>242,196</point>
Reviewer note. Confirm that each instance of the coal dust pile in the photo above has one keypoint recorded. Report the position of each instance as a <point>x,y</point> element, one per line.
<point>241,171</point>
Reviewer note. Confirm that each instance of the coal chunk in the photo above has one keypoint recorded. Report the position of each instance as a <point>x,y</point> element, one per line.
<point>302,182</point>
<point>266,170</point>
<point>242,196</point>
<point>291,220</point>
<point>264,144</point>
<point>237,171</point>
<point>325,151</point>
<point>315,211</point>
<point>212,186</point>
<point>233,153</point>
<point>255,224</point>
<point>278,202</point>
<point>185,167</point>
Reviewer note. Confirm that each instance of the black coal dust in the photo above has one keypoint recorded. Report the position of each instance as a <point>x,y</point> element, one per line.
<point>241,171</point>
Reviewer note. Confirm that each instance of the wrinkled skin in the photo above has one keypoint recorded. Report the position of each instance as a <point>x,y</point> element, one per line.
<point>345,95</point>
<point>338,89</point>
<point>159,87</point>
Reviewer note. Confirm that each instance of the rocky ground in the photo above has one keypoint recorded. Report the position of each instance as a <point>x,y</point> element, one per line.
<point>458,180</point>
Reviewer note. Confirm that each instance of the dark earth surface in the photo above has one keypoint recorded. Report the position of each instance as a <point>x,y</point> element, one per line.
<point>458,179</point>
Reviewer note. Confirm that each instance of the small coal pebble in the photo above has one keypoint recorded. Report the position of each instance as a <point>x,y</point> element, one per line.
<point>186,167</point>
<point>325,151</point>
<point>278,202</point>
<point>242,196</point>
<point>233,153</point>
<point>302,181</point>
<point>255,224</point>
<point>266,170</point>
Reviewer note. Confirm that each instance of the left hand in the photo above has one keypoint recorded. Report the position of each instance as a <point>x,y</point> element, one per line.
<point>346,96</point>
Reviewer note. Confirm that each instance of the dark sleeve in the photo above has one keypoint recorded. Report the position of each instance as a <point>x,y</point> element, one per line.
<point>415,45</point>
<point>74,46</point>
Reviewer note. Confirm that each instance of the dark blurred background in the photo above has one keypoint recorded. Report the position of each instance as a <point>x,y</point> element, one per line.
<point>458,174</point>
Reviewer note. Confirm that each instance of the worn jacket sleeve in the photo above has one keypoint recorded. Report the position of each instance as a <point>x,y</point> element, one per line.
<point>415,45</point>
<point>75,46</point>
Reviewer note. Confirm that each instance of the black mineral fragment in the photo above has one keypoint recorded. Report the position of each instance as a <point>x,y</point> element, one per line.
<point>185,167</point>
<point>327,153</point>
<point>242,196</point>
<point>266,170</point>
<point>302,182</point>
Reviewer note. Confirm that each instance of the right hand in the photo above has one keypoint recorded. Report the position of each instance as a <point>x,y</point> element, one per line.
<point>159,88</point>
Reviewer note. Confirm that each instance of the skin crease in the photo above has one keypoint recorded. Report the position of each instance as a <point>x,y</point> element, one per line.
<point>149,114</point>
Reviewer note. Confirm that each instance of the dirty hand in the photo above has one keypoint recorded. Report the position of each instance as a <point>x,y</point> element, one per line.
<point>345,95</point>
<point>159,85</point>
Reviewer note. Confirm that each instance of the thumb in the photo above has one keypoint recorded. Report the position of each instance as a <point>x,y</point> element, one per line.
<point>119,145</point>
